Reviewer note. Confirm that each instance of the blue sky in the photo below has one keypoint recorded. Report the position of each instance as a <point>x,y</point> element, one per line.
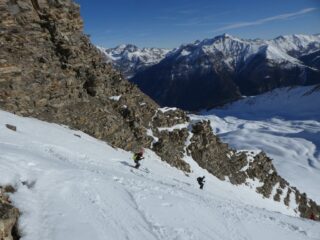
<point>169,23</point>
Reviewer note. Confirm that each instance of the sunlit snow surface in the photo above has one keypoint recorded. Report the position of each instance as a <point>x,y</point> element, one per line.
<point>79,188</point>
<point>285,123</point>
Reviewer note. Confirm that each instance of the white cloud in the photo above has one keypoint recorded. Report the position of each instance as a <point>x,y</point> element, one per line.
<point>265,20</point>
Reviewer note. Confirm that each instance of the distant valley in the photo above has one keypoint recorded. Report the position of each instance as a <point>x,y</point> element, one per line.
<point>213,72</point>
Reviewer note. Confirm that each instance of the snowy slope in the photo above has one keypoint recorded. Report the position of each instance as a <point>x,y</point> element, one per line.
<point>71,187</point>
<point>298,103</point>
<point>285,123</point>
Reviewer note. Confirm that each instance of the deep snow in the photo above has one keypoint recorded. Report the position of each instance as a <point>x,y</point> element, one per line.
<point>71,187</point>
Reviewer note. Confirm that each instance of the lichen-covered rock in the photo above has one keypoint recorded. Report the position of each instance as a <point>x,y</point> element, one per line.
<point>215,156</point>
<point>169,118</point>
<point>8,216</point>
<point>8,219</point>
<point>50,70</point>
<point>170,147</point>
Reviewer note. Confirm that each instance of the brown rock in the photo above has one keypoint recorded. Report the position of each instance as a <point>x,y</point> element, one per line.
<point>8,215</point>
<point>8,219</point>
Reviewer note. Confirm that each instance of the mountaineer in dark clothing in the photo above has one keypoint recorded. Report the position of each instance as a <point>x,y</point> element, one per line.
<point>138,157</point>
<point>201,181</point>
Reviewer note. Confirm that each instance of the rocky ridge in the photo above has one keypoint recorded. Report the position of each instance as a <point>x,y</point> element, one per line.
<point>50,70</point>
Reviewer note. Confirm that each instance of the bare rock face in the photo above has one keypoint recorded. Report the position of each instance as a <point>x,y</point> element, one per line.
<point>50,70</point>
<point>169,117</point>
<point>170,144</point>
<point>170,147</point>
<point>8,216</point>
<point>217,157</point>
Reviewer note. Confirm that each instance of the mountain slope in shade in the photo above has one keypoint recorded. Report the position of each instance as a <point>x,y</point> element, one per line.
<point>312,59</point>
<point>130,59</point>
<point>214,71</point>
<point>78,188</point>
<point>298,44</point>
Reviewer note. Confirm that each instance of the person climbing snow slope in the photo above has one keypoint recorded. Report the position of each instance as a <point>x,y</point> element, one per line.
<point>138,157</point>
<point>201,181</point>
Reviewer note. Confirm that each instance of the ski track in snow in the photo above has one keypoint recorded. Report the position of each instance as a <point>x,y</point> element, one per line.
<point>81,188</point>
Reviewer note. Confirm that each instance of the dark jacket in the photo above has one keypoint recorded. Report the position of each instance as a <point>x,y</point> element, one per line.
<point>200,180</point>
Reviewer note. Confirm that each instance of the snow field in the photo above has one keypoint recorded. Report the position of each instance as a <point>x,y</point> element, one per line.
<point>71,187</point>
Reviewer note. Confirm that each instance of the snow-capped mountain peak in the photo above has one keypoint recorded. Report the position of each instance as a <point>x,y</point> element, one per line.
<point>129,58</point>
<point>238,50</point>
<point>232,51</point>
<point>297,44</point>
<point>226,62</point>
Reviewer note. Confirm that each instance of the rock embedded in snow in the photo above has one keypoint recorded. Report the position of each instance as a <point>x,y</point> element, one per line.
<point>8,216</point>
<point>8,219</point>
<point>11,127</point>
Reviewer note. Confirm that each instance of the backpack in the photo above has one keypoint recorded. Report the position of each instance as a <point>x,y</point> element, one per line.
<point>134,157</point>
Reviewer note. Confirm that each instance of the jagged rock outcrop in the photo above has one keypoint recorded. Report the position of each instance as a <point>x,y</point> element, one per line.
<point>51,71</point>
<point>241,167</point>
<point>217,157</point>
<point>8,216</point>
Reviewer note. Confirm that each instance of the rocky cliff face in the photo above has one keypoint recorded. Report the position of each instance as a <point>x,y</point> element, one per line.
<point>51,71</point>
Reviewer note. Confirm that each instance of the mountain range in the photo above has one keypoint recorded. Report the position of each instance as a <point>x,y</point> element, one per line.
<point>129,59</point>
<point>212,72</point>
